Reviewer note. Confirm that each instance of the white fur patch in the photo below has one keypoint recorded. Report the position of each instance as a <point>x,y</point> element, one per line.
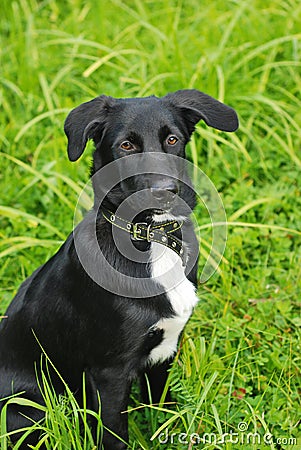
<point>167,268</point>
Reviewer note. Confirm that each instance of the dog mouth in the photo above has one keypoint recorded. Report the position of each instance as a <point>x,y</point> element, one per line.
<point>163,209</point>
<point>159,211</point>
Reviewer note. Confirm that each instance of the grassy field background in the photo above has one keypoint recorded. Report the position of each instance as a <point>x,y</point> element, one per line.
<point>239,361</point>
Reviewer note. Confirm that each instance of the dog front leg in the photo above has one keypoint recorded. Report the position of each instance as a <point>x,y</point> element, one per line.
<point>153,383</point>
<point>112,387</point>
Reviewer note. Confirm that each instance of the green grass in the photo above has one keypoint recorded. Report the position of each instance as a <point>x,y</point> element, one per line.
<point>239,360</point>
<point>66,424</point>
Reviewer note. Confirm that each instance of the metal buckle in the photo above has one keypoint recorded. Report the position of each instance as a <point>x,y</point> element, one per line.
<point>137,231</point>
<point>149,234</point>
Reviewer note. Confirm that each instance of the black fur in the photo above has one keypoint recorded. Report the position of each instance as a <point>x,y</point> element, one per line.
<point>81,326</point>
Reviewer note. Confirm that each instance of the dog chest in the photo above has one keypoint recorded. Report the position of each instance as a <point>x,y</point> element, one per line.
<point>167,270</point>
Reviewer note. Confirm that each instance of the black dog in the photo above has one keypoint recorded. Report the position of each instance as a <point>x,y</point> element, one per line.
<point>114,299</point>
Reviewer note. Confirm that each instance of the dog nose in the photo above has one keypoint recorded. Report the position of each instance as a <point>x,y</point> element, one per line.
<point>164,193</point>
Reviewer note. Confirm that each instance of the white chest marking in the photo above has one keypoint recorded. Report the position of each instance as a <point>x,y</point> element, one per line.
<point>166,267</point>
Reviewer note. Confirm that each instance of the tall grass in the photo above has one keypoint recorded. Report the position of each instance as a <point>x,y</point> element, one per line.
<point>239,359</point>
<point>66,424</point>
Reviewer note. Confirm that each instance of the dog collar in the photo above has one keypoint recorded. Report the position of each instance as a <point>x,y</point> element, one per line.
<point>141,231</point>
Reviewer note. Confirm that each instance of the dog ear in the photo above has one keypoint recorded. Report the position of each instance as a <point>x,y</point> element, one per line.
<point>196,105</point>
<point>85,122</point>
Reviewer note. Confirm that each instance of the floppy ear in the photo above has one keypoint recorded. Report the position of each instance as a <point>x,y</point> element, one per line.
<point>85,122</point>
<point>195,105</point>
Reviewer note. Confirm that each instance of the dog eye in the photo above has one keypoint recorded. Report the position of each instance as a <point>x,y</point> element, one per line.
<point>172,140</point>
<point>126,145</point>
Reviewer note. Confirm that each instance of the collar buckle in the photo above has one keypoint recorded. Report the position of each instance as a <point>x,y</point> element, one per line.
<point>137,231</point>
<point>149,233</point>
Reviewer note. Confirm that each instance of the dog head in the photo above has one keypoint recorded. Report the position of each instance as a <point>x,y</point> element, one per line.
<point>150,126</point>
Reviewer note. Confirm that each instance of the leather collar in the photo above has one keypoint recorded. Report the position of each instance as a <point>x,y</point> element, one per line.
<point>141,231</point>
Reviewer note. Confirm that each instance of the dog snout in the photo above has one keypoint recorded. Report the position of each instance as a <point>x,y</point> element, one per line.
<point>164,192</point>
<point>162,196</point>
